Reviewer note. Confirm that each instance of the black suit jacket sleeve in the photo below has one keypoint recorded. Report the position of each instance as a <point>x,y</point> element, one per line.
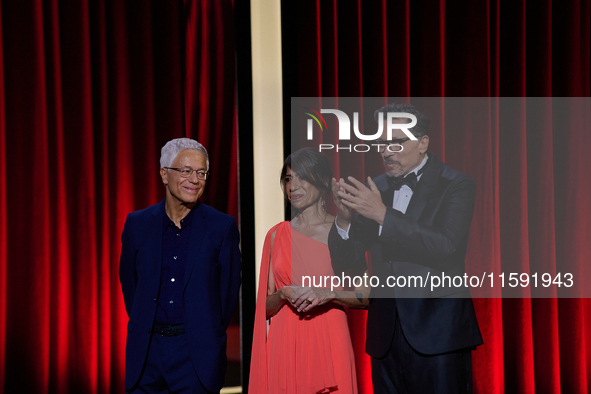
<point>347,256</point>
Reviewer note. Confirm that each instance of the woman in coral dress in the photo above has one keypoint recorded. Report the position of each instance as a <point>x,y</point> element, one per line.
<point>307,346</point>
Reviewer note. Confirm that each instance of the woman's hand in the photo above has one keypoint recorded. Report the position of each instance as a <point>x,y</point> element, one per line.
<point>277,299</point>
<point>304,299</point>
<point>286,293</point>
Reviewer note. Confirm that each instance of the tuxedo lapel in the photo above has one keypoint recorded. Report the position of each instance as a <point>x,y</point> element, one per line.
<point>198,231</point>
<point>418,201</point>
<point>425,187</point>
<point>385,190</point>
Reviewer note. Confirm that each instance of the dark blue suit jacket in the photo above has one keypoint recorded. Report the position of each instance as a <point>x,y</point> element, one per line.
<point>211,285</point>
<point>431,238</point>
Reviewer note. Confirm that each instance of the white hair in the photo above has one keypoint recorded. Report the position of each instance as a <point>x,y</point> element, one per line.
<point>174,147</point>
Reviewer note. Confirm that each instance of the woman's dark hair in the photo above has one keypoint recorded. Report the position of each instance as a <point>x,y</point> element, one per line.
<point>311,166</point>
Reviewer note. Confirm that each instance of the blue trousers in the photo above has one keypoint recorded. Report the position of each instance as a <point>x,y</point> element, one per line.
<point>169,368</point>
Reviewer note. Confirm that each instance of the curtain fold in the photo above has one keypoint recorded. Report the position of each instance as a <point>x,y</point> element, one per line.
<point>3,213</point>
<point>89,93</point>
<point>530,171</point>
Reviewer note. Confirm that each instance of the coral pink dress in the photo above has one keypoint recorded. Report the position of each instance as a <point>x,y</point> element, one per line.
<point>301,354</point>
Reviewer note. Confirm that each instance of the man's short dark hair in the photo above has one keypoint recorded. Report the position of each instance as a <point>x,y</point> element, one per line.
<point>422,127</point>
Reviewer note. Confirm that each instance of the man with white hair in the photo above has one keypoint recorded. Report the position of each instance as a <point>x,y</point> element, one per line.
<point>180,277</point>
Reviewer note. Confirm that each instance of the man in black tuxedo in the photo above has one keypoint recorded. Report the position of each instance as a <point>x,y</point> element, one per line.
<point>415,220</point>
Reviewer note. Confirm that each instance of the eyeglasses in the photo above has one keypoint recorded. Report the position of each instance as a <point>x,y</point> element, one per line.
<point>388,144</point>
<point>186,172</point>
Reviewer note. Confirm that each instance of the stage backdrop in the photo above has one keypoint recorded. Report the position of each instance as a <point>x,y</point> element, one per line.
<point>533,188</point>
<point>89,93</point>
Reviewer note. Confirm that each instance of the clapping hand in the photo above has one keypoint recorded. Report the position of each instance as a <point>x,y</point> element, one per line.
<point>366,201</point>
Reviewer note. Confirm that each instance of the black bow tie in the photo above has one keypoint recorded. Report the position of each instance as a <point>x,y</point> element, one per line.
<point>396,182</point>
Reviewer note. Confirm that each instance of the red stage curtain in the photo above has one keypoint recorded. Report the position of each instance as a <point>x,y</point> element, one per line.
<point>532,199</point>
<point>89,93</point>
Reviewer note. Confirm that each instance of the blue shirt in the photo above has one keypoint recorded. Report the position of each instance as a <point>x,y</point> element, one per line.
<point>175,248</point>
